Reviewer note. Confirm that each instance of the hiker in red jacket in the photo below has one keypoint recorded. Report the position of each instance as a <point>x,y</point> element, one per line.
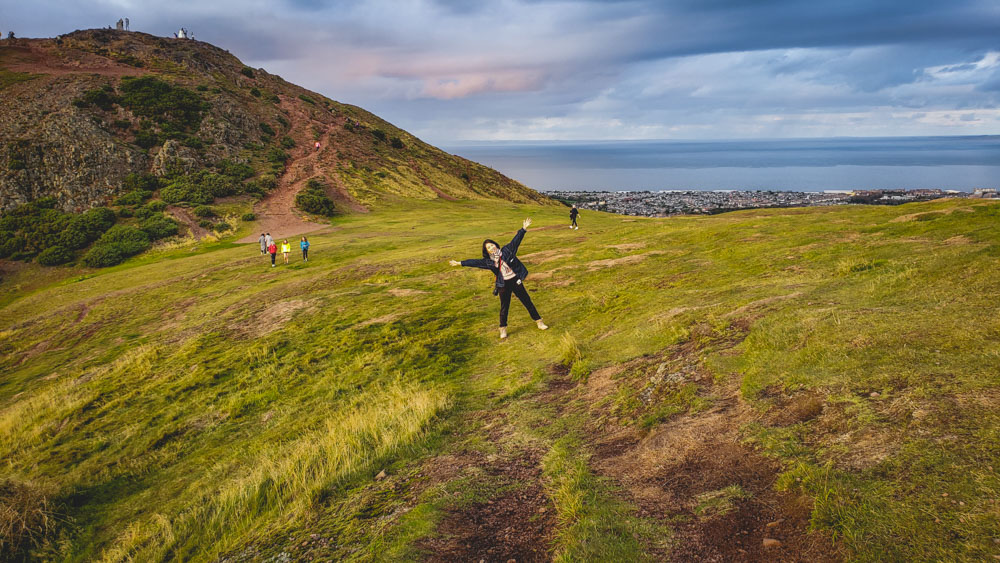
<point>272,249</point>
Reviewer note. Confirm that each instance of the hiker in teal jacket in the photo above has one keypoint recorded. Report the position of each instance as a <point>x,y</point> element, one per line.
<point>304,245</point>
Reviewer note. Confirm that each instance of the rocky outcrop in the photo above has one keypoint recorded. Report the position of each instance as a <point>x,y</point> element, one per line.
<point>62,152</point>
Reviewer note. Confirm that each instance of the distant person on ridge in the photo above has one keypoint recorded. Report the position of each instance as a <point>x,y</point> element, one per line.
<point>317,145</point>
<point>285,249</point>
<point>272,249</point>
<point>304,245</point>
<point>510,274</point>
<point>263,244</point>
<point>572,216</point>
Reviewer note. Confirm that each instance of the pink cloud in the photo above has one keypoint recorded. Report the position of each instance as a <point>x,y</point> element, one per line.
<point>469,84</point>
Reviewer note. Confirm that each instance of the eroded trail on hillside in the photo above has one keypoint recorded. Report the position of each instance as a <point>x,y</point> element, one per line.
<point>691,474</point>
<point>276,212</point>
<point>28,55</point>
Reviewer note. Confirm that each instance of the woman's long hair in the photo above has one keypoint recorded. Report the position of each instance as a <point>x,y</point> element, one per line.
<point>485,253</point>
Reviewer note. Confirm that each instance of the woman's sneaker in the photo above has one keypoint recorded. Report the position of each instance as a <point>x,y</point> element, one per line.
<point>503,333</point>
<point>542,325</point>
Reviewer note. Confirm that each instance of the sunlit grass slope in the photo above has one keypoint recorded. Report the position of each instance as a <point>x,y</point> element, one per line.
<point>197,405</point>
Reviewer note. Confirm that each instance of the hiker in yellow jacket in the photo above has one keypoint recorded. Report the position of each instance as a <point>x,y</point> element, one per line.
<point>285,249</point>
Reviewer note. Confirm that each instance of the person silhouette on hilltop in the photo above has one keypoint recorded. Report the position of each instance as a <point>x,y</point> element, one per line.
<point>509,273</point>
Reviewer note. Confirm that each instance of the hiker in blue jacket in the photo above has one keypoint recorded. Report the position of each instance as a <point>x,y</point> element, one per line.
<point>510,274</point>
<point>304,245</point>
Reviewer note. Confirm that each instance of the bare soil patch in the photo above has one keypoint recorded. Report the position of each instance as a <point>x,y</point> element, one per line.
<point>693,468</point>
<point>383,319</point>
<point>630,259</point>
<point>403,292</point>
<point>741,311</point>
<point>31,55</point>
<point>271,318</point>
<point>514,525</point>
<point>915,216</point>
<point>627,246</point>
<point>184,215</point>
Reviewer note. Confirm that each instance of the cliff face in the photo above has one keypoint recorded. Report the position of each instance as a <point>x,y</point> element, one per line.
<point>71,128</point>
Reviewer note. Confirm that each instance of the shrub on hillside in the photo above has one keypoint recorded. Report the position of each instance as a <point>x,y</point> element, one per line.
<point>287,142</point>
<point>255,92</point>
<point>55,255</point>
<point>125,212</point>
<point>247,71</point>
<point>85,228</point>
<point>104,98</point>
<point>277,156</point>
<point>156,205</point>
<point>13,246</point>
<point>313,199</point>
<point>134,197</point>
<point>130,240</point>
<point>31,228</point>
<point>114,246</point>
<point>201,187</point>
<point>203,211</point>
<point>396,143</point>
<point>235,170</point>
<point>267,182</point>
<point>266,129</point>
<point>248,217</point>
<point>102,256</point>
<point>378,134</point>
<point>174,108</point>
<point>159,226</point>
<point>147,139</point>
<point>221,226</point>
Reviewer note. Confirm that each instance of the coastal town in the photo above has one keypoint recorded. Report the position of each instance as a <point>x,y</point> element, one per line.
<point>664,203</point>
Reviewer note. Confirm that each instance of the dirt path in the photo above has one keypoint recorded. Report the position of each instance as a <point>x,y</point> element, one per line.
<point>692,470</point>
<point>276,213</point>
<point>188,220</point>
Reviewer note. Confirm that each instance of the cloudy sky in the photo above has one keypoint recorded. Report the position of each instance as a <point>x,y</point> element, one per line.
<point>452,70</point>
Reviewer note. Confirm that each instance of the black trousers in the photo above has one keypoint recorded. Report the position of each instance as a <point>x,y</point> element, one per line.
<point>574,221</point>
<point>305,253</point>
<point>272,258</point>
<point>511,286</point>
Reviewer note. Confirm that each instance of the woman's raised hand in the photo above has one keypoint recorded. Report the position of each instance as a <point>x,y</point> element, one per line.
<point>454,262</point>
<point>526,224</point>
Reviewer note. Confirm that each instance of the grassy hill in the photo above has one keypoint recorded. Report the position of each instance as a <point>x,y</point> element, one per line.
<point>87,109</point>
<point>823,378</point>
<point>181,140</point>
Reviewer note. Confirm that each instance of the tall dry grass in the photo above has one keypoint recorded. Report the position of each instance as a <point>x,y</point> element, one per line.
<point>285,479</point>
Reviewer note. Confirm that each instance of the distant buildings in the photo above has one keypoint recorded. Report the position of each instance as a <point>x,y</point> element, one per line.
<point>658,204</point>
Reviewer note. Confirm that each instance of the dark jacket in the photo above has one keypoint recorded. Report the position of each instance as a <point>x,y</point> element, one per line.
<point>573,212</point>
<point>508,254</point>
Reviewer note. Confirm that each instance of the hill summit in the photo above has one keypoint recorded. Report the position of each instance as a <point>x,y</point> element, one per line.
<point>85,110</point>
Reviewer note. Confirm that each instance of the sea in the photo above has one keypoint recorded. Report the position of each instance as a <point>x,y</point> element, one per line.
<point>961,163</point>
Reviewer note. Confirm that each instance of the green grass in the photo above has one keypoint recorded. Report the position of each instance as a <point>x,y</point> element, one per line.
<point>10,77</point>
<point>194,403</point>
